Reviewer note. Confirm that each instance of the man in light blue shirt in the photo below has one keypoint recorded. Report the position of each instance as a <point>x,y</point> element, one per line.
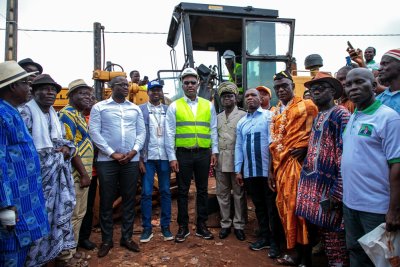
<point>117,129</point>
<point>252,155</point>
<point>389,74</point>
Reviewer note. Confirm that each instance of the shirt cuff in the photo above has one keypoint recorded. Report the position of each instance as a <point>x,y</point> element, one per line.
<point>109,151</point>
<point>172,157</point>
<point>136,147</point>
<point>215,150</point>
<point>392,161</point>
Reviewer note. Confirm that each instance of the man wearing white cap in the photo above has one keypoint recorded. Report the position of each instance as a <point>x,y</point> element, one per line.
<point>23,217</point>
<point>234,68</point>
<point>192,129</point>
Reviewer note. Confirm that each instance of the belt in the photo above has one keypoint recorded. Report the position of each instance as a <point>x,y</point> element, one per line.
<point>192,150</point>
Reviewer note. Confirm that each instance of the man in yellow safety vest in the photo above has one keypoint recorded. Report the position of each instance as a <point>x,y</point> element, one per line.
<point>192,129</point>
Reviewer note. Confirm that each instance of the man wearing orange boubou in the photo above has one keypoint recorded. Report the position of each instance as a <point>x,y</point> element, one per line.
<point>290,132</point>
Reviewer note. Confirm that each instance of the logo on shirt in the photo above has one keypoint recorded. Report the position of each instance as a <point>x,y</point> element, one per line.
<point>366,130</point>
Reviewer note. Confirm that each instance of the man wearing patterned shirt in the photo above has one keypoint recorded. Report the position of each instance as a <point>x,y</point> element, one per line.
<point>319,195</point>
<point>77,131</point>
<point>23,217</point>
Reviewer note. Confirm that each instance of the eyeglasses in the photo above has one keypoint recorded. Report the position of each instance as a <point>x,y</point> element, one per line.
<point>26,82</point>
<point>122,84</point>
<point>190,82</point>
<point>318,87</point>
<point>282,85</point>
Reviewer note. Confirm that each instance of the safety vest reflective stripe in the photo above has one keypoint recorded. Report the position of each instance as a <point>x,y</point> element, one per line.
<point>193,131</point>
<point>206,136</point>
<point>193,123</point>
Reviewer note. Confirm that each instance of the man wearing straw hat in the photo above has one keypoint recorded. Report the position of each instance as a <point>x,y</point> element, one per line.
<point>20,179</point>
<point>76,130</point>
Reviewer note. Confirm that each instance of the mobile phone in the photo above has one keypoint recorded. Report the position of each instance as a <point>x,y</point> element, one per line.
<point>349,45</point>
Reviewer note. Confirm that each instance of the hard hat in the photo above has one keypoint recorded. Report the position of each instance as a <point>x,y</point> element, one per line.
<point>189,72</point>
<point>228,54</point>
<point>312,61</point>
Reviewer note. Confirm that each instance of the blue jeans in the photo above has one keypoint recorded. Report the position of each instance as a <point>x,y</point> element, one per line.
<point>163,172</point>
<point>358,223</point>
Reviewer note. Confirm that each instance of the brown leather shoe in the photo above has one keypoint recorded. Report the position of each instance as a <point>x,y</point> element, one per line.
<point>104,249</point>
<point>130,245</point>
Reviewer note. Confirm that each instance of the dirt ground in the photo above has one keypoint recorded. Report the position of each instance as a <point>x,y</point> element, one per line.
<point>193,252</point>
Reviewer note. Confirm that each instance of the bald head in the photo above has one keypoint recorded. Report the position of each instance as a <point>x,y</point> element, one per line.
<point>366,73</point>
<point>360,86</point>
<point>253,99</point>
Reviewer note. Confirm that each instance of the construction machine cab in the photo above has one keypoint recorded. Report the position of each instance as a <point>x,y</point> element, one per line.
<point>262,44</point>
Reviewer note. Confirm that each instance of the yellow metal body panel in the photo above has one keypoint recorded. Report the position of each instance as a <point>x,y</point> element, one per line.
<point>299,84</point>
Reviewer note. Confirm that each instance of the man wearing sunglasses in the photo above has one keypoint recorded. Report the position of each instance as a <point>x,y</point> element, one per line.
<point>192,130</point>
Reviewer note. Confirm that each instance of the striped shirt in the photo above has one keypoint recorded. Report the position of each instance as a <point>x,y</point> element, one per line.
<point>76,130</point>
<point>252,144</point>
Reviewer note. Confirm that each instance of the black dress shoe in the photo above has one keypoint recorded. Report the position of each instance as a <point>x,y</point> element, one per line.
<point>87,244</point>
<point>183,232</point>
<point>239,234</point>
<point>224,232</point>
<point>130,245</point>
<point>274,252</point>
<point>104,249</point>
<point>203,232</point>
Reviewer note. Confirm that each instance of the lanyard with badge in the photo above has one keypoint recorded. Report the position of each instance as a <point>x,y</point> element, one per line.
<point>158,120</point>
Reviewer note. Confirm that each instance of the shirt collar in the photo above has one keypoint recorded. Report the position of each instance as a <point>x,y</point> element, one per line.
<point>150,105</point>
<point>259,110</point>
<point>188,100</point>
<point>390,93</point>
<point>110,100</point>
<point>371,109</point>
<point>8,104</point>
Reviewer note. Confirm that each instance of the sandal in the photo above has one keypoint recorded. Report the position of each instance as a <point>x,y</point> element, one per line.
<point>75,262</point>
<point>286,260</point>
<point>82,256</point>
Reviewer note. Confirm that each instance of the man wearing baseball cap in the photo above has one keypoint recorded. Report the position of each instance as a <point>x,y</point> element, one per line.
<point>265,94</point>
<point>192,129</point>
<point>154,159</point>
<point>23,216</point>
<point>234,69</point>
<point>389,74</point>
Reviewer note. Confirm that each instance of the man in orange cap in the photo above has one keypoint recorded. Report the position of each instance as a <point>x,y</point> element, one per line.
<point>265,94</point>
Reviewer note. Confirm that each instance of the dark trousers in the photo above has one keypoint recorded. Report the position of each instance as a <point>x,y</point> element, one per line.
<point>264,201</point>
<point>191,162</point>
<point>358,223</point>
<point>113,176</point>
<point>86,226</point>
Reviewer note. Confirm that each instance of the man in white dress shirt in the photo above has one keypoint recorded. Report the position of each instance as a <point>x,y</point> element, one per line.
<point>117,129</point>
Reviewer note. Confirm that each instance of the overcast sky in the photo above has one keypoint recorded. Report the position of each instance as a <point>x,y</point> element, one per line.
<point>68,56</point>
